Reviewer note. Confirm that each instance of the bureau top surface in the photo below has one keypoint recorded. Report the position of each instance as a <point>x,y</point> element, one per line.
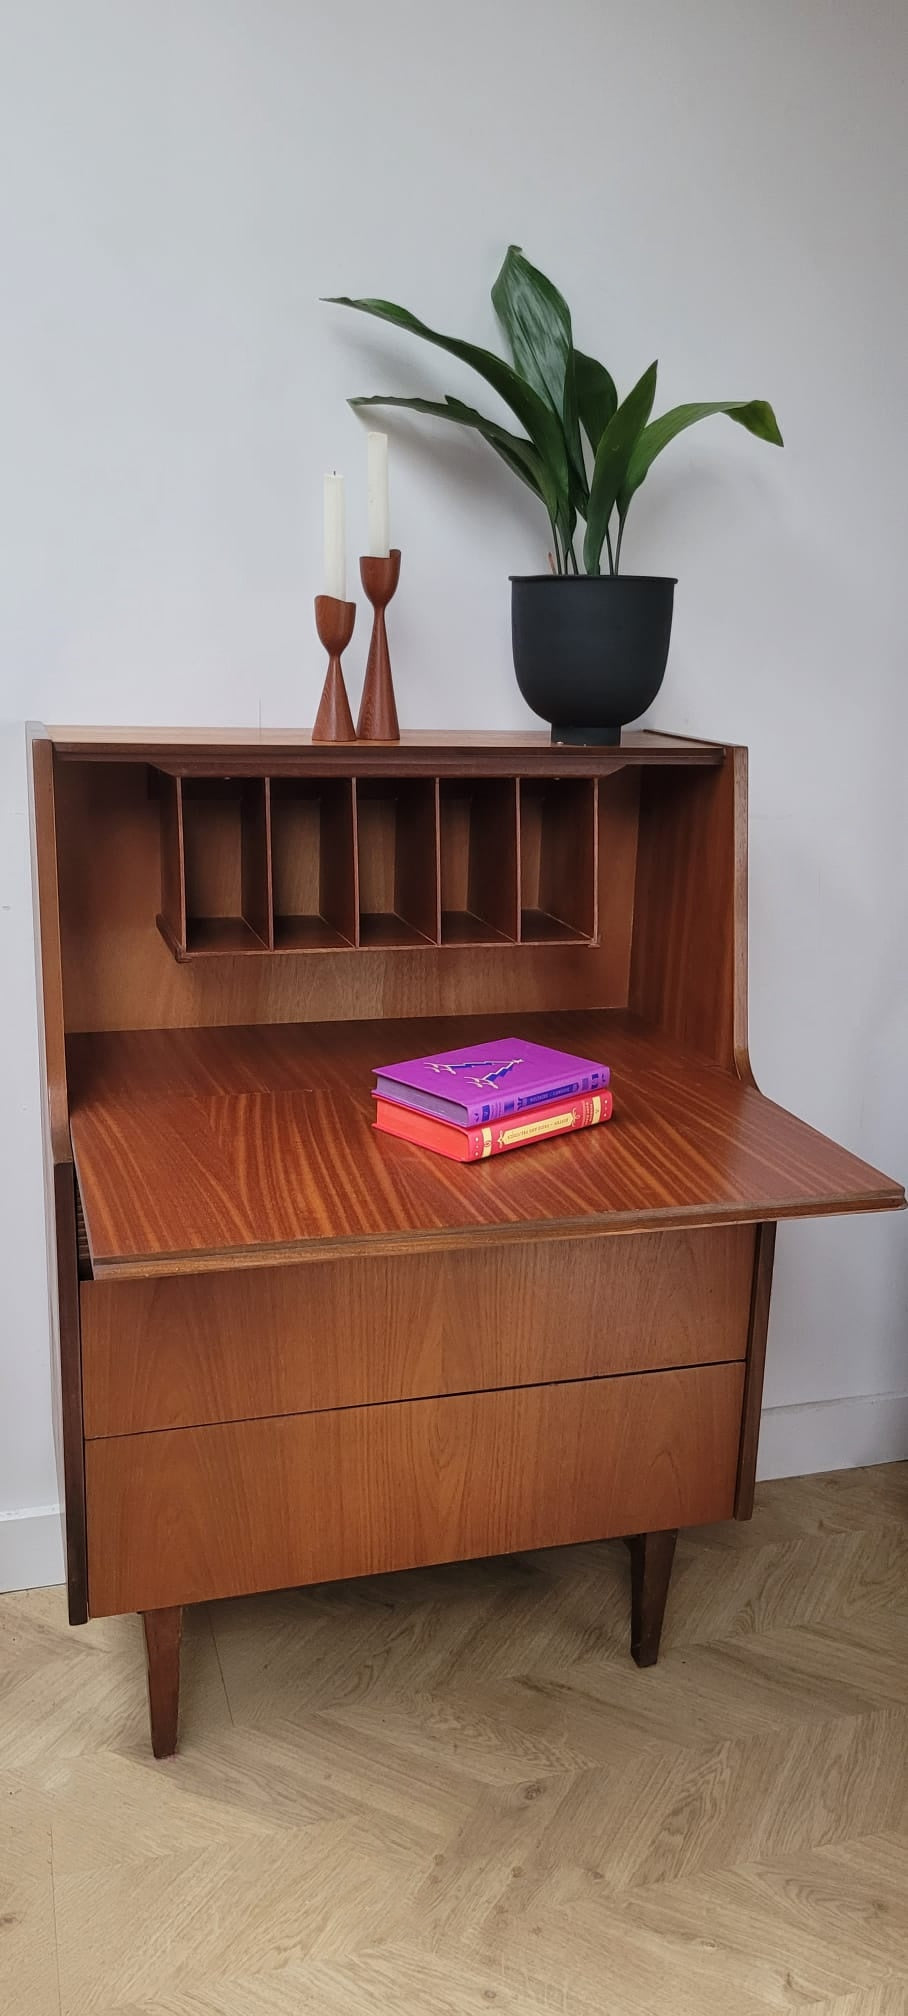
<point>202,1148</point>
<point>197,751</point>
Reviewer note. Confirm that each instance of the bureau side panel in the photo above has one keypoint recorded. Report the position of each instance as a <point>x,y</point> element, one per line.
<point>59,1177</point>
<point>197,1513</point>
<point>689,958</point>
<point>192,1349</point>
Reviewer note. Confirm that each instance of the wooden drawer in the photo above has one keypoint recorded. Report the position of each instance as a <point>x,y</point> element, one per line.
<point>198,1348</point>
<point>195,1513</point>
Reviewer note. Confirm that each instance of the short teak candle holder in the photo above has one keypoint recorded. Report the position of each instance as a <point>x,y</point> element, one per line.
<point>377,710</point>
<point>334,622</point>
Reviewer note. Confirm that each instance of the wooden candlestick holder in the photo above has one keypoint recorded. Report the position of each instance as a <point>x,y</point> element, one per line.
<point>334,622</point>
<point>377,710</point>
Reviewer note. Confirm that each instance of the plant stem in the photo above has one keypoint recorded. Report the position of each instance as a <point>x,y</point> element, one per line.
<point>618,547</point>
<point>608,548</point>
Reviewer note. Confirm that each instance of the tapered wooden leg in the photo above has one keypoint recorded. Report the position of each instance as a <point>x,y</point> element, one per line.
<point>163,1631</point>
<point>652,1555</point>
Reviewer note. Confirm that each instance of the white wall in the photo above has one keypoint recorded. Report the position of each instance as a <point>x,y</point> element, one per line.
<point>717,184</point>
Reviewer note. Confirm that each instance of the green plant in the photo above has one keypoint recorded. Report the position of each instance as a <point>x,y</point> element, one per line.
<point>563,399</point>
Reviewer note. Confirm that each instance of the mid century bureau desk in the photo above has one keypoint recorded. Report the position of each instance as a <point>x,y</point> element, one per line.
<point>291,1350</point>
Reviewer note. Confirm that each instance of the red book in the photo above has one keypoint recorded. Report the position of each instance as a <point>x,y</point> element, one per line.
<point>475,1144</point>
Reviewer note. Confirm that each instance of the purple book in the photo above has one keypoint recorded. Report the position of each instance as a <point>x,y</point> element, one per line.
<point>486,1081</point>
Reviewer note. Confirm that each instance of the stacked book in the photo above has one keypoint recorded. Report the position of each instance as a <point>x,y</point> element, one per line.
<point>472,1103</point>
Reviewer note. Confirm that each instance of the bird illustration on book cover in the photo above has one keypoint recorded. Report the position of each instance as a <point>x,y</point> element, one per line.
<point>484,1073</point>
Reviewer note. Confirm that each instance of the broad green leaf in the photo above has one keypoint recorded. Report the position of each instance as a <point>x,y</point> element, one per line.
<point>579,493</point>
<point>597,398</point>
<point>520,455</point>
<point>567,526</point>
<point>531,473</point>
<point>537,322</point>
<point>542,425</point>
<point>754,414</point>
<point>612,460</point>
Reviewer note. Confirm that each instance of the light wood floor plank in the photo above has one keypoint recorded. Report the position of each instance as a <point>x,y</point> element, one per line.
<point>451,1791</point>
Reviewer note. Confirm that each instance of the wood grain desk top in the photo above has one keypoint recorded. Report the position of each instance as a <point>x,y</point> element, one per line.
<point>200,1148</point>
<point>122,742</point>
<point>234,752</point>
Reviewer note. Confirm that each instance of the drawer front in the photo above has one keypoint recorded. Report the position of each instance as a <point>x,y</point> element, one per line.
<point>195,1513</point>
<point>193,1349</point>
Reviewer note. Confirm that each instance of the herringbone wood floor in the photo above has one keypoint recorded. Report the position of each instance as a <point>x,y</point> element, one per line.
<point>442,1792</point>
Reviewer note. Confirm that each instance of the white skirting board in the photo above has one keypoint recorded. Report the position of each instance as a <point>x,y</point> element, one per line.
<point>794,1442</point>
<point>31,1548</point>
<point>833,1435</point>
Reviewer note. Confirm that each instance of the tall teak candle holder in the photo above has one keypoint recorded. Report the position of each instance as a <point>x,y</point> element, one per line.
<point>334,622</point>
<point>377,710</point>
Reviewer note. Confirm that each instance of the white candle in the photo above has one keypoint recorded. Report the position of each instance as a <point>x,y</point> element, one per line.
<point>335,539</point>
<point>377,493</point>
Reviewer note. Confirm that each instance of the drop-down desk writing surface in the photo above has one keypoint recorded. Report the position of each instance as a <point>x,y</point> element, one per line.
<point>262,1149</point>
<point>292,1350</point>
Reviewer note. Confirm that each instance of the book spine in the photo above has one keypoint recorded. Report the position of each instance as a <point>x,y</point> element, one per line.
<point>517,1133</point>
<point>484,1111</point>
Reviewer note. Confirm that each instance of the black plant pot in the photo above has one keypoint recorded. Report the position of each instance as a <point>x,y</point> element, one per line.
<point>590,651</point>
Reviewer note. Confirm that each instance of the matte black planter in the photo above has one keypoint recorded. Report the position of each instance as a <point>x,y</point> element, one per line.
<point>590,651</point>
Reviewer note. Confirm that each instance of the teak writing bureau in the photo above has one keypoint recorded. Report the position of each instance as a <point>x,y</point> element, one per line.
<point>291,1350</point>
